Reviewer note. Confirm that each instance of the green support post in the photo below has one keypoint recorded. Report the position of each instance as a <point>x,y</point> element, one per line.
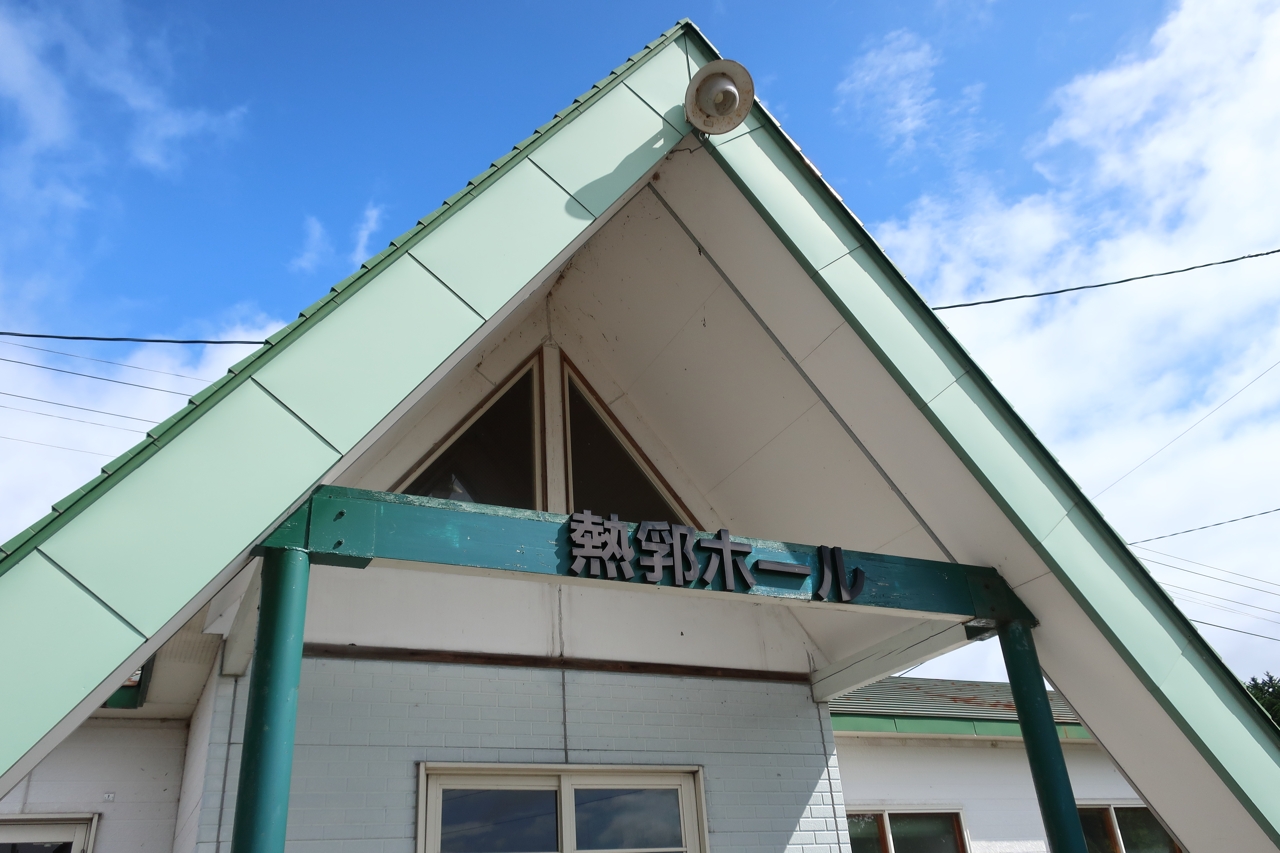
<point>1040,735</point>
<point>262,798</point>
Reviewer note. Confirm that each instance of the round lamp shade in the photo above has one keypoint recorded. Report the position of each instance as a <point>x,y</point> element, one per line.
<point>719,97</point>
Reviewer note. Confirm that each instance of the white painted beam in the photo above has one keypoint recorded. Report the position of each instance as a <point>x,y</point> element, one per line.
<point>553,419</point>
<point>238,650</point>
<point>915,645</point>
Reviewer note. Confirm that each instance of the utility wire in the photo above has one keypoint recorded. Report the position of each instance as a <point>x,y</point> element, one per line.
<point>1223,609</point>
<point>54,446</point>
<point>1221,598</point>
<point>100,411</point>
<point>1207,526</point>
<point>80,421</point>
<point>125,340</point>
<point>1237,630</point>
<point>1105,283</point>
<point>104,361</point>
<point>1210,577</point>
<point>1190,428</point>
<point>99,378</point>
<point>1207,566</point>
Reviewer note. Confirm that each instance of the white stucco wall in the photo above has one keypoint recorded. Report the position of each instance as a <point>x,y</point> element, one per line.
<point>988,782</point>
<point>772,782</point>
<point>139,761</point>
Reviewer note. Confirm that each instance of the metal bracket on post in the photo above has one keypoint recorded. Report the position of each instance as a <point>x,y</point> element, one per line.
<point>1040,736</point>
<point>266,763</point>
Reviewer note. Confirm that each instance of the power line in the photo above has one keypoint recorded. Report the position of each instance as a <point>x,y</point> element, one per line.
<point>99,378</point>
<point>79,421</point>
<point>1207,526</point>
<point>125,340</point>
<point>1190,428</point>
<point>1105,283</point>
<point>1223,609</point>
<point>104,361</point>
<point>55,446</point>
<point>95,411</point>
<point>1237,630</point>
<point>1221,598</point>
<point>1210,577</point>
<point>1207,566</point>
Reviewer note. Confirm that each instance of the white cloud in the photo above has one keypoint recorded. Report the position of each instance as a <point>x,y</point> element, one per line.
<point>893,83</point>
<point>56,62</point>
<point>1163,159</point>
<point>369,223</point>
<point>315,249</point>
<point>36,93</point>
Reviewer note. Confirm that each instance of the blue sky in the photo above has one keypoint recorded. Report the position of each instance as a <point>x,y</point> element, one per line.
<point>206,169</point>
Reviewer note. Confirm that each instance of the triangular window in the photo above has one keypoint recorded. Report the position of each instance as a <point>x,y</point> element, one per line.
<point>494,460</point>
<point>604,475</point>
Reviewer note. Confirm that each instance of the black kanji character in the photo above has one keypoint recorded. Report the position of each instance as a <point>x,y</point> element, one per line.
<point>618,547</point>
<point>681,552</point>
<point>589,542</point>
<point>654,537</point>
<point>732,555</point>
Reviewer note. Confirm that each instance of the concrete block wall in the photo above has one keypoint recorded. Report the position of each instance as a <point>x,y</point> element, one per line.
<point>137,762</point>
<point>771,777</point>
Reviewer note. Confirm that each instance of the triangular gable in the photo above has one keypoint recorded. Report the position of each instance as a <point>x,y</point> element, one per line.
<point>133,554</point>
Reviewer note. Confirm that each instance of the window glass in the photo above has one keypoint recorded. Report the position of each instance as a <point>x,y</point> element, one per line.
<point>42,837</point>
<point>1142,833</point>
<point>498,821</point>
<point>925,833</point>
<point>628,818</point>
<point>493,461</point>
<point>606,479</point>
<point>1098,837</point>
<point>866,834</point>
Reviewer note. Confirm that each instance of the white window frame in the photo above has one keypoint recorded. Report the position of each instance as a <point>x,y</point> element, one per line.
<point>571,375</point>
<point>79,829</point>
<point>532,364</point>
<point>886,815</point>
<point>433,776</point>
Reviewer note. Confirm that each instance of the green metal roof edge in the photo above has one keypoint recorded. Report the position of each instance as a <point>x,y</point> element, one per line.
<point>954,726</point>
<point>1244,708</point>
<point>65,510</point>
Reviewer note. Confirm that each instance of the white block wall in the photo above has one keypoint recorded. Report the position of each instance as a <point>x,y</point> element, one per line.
<point>767,750</point>
<point>139,761</point>
<point>988,782</point>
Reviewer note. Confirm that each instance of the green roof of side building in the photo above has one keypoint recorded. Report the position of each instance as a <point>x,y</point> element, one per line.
<point>927,706</point>
<point>133,554</point>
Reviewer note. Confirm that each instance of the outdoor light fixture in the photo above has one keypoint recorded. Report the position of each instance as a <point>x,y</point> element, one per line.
<point>719,96</point>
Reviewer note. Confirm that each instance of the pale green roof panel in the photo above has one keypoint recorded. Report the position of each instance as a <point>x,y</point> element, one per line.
<point>607,149</point>
<point>661,82</point>
<point>151,543</point>
<point>490,248</point>
<point>358,363</point>
<point>60,644</point>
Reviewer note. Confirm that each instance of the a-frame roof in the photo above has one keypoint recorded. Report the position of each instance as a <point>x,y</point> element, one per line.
<point>124,561</point>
